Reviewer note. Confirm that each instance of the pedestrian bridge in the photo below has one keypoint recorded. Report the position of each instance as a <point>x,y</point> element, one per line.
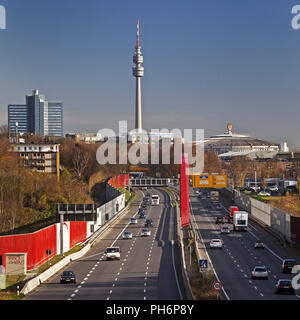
<point>152,182</point>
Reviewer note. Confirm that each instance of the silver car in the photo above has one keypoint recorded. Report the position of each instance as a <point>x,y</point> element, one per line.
<point>216,243</point>
<point>260,273</point>
<point>225,230</point>
<point>127,235</point>
<point>133,221</point>
<point>146,233</point>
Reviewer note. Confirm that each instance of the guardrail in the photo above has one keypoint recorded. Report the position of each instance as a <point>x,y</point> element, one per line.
<point>185,277</point>
<point>38,280</point>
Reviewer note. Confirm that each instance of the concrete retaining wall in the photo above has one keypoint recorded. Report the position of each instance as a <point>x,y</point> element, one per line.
<point>279,221</point>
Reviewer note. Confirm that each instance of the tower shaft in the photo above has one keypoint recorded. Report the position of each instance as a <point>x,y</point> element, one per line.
<point>138,73</point>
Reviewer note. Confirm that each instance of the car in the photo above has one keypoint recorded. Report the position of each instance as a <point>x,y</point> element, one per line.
<point>287,265</point>
<point>254,189</point>
<point>216,243</point>
<point>284,285</point>
<point>127,235</point>
<point>219,220</point>
<point>260,272</point>
<point>68,277</point>
<point>133,221</point>
<point>113,253</point>
<point>225,230</point>
<point>143,216</point>
<point>259,244</point>
<point>145,233</point>
<point>273,188</point>
<point>149,223</point>
<point>264,194</point>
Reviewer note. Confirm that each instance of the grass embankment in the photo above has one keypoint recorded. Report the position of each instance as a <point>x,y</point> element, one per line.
<point>171,193</point>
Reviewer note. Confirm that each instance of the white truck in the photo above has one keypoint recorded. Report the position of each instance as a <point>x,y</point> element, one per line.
<point>155,200</point>
<point>240,221</point>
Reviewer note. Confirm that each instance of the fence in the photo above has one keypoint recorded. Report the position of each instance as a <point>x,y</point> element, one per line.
<point>278,220</point>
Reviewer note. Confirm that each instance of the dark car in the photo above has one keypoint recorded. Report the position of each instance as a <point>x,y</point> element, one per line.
<point>227,218</point>
<point>143,216</point>
<point>284,285</point>
<point>287,265</point>
<point>219,220</point>
<point>149,223</point>
<point>68,277</point>
<point>259,244</point>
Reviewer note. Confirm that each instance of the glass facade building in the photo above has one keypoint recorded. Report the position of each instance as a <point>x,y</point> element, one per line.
<point>38,116</point>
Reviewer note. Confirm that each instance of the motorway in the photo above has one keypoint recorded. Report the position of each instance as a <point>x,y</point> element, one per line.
<point>233,264</point>
<point>147,270</point>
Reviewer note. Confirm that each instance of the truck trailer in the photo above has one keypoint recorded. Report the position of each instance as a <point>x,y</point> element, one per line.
<point>240,221</point>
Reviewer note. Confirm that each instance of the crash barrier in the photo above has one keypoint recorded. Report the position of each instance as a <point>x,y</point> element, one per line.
<point>185,277</point>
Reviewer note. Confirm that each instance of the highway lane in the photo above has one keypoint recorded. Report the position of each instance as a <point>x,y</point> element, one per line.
<point>236,260</point>
<point>145,271</point>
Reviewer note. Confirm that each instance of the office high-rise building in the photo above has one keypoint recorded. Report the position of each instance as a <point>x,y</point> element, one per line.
<point>55,119</point>
<point>17,119</point>
<point>38,116</point>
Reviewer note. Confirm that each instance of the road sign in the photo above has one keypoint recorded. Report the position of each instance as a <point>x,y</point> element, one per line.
<point>209,181</point>
<point>203,264</point>
<point>203,181</point>
<point>217,286</point>
<point>220,181</point>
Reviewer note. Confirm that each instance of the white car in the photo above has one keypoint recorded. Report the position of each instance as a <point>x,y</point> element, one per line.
<point>260,272</point>
<point>133,221</point>
<point>264,194</point>
<point>127,235</point>
<point>216,243</point>
<point>273,188</point>
<point>146,233</point>
<point>113,253</point>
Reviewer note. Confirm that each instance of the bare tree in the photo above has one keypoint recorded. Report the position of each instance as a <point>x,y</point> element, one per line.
<point>80,161</point>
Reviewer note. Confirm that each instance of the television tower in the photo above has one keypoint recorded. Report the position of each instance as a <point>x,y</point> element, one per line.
<point>138,73</point>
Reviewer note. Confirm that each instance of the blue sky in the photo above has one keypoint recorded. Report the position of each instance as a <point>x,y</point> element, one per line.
<point>207,62</point>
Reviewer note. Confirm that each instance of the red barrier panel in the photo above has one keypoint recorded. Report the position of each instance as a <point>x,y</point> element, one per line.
<point>34,244</point>
<point>184,193</point>
<point>78,232</point>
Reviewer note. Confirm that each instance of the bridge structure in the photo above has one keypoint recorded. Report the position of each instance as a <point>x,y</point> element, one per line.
<point>152,182</point>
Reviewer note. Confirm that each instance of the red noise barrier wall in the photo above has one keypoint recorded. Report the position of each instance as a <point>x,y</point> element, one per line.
<point>119,181</point>
<point>78,232</point>
<point>184,193</point>
<point>36,244</point>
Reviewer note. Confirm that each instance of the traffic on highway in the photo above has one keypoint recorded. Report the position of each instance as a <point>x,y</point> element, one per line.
<point>135,259</point>
<point>249,262</point>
